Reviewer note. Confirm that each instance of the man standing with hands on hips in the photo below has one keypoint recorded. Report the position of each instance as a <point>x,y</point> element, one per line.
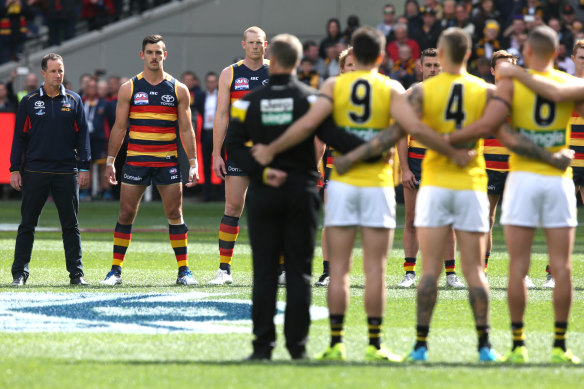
<point>50,156</point>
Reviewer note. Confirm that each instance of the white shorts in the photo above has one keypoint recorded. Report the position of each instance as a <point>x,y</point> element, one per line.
<point>465,210</point>
<point>349,205</point>
<point>535,200</point>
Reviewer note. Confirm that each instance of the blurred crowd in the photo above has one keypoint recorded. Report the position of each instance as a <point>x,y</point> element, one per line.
<point>492,24</point>
<point>24,19</point>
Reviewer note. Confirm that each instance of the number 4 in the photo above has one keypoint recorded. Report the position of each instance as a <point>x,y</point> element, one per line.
<point>454,110</point>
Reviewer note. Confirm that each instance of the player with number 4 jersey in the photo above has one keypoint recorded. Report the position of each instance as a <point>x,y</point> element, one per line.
<point>537,193</point>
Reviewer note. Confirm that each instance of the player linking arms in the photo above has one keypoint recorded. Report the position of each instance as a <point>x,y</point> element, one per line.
<point>363,102</point>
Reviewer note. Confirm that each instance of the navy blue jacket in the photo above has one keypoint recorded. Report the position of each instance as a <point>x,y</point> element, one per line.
<point>50,134</point>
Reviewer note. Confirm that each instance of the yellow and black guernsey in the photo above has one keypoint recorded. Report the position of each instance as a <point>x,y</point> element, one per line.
<point>543,121</point>
<point>153,123</point>
<point>451,102</point>
<point>362,101</point>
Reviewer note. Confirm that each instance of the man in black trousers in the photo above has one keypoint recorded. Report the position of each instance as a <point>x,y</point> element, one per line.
<point>283,202</point>
<point>50,156</point>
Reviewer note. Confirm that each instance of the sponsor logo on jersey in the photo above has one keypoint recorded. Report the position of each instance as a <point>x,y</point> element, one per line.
<point>277,111</point>
<point>167,100</point>
<point>141,98</point>
<point>39,104</point>
<point>40,112</point>
<point>173,170</point>
<point>66,105</point>
<point>265,82</point>
<point>241,83</point>
<point>546,138</point>
<point>142,313</point>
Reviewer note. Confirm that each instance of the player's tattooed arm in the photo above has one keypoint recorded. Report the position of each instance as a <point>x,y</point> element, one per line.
<point>383,141</point>
<point>525,147</point>
<point>415,99</point>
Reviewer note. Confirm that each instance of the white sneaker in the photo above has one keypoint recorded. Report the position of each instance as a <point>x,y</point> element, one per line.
<point>453,281</point>
<point>282,278</point>
<point>529,283</point>
<point>549,282</point>
<point>112,278</point>
<point>222,278</point>
<point>408,281</point>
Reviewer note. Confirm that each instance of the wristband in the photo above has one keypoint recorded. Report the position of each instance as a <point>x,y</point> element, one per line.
<point>83,170</point>
<point>265,174</point>
<point>110,160</point>
<point>193,168</point>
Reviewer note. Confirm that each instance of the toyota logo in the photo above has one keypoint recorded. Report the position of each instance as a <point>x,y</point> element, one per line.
<point>167,98</point>
<point>39,104</point>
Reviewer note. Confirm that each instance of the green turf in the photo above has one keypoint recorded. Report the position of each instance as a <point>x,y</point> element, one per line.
<point>49,360</point>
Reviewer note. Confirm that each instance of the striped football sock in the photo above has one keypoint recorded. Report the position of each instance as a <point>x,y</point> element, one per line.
<point>178,240</point>
<point>228,231</point>
<point>122,238</point>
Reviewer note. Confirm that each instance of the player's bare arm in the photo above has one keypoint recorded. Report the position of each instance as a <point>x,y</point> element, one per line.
<point>522,145</point>
<point>545,87</point>
<point>300,129</point>
<point>221,121</point>
<point>407,109</point>
<point>408,178</point>
<point>497,110</point>
<point>382,142</point>
<point>118,131</point>
<point>187,133</point>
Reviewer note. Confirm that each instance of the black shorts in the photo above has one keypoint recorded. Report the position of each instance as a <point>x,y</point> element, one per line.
<point>415,165</point>
<point>146,175</point>
<point>578,176</point>
<point>496,182</point>
<point>233,170</point>
<point>98,150</point>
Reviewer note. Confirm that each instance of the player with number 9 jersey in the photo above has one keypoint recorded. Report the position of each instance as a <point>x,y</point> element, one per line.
<point>364,113</point>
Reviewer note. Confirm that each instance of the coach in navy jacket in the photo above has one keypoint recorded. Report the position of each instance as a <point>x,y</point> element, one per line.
<point>50,156</point>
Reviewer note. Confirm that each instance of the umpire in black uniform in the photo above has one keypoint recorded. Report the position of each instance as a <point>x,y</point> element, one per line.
<point>50,155</point>
<point>282,203</point>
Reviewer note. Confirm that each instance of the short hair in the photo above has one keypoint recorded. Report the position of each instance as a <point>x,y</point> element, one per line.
<point>343,56</point>
<point>456,43</point>
<point>50,57</point>
<point>401,25</point>
<point>255,29</point>
<point>189,73</point>
<point>543,40</point>
<point>286,50</point>
<point>209,74</point>
<point>579,44</point>
<point>502,54</point>
<point>430,52</point>
<point>368,43</point>
<point>152,39</point>
<point>308,44</point>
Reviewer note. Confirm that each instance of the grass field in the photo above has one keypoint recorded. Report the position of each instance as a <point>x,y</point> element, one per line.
<point>141,339</point>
